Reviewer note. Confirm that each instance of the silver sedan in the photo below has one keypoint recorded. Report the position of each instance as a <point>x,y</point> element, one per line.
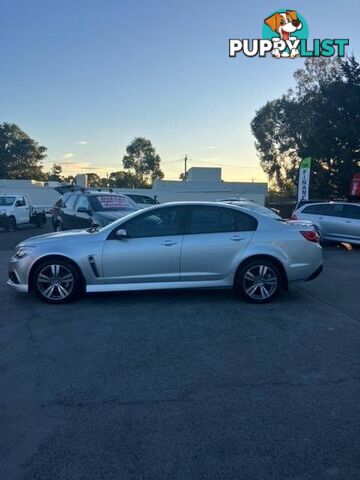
<point>174,245</point>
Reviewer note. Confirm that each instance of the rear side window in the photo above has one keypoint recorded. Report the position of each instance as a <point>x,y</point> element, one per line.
<point>70,202</point>
<point>333,209</point>
<point>352,211</point>
<point>313,209</point>
<point>205,219</point>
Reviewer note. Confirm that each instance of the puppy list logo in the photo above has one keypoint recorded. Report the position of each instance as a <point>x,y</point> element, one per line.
<point>285,35</point>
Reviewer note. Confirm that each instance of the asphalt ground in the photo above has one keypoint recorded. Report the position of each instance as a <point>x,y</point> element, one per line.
<point>182,384</point>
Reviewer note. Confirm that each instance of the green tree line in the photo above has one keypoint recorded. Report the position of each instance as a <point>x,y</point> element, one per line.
<point>22,158</point>
<point>319,118</point>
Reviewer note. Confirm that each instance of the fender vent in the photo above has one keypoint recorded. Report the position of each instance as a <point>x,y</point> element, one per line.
<point>93,266</point>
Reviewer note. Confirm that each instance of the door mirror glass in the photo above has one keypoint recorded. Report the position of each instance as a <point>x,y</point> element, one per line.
<point>121,233</point>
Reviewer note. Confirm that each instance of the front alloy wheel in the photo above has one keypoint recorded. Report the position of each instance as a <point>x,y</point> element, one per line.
<point>259,281</point>
<point>57,281</point>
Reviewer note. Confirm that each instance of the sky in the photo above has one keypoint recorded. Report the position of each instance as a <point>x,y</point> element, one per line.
<point>85,77</point>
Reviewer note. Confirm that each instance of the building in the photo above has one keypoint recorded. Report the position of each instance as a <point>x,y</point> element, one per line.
<point>202,184</point>
<point>40,195</point>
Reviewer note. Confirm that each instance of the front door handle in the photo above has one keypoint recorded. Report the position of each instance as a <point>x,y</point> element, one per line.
<point>237,238</point>
<point>168,243</point>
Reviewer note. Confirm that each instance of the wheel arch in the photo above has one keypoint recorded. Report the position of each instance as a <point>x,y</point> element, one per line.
<point>55,257</point>
<point>271,258</point>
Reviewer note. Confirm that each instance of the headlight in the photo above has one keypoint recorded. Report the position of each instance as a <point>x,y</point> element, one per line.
<point>21,252</point>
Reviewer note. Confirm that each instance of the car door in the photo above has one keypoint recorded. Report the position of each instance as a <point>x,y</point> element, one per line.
<point>22,210</point>
<point>150,253</point>
<point>82,217</point>
<point>331,219</point>
<point>67,214</point>
<point>351,231</point>
<point>215,238</point>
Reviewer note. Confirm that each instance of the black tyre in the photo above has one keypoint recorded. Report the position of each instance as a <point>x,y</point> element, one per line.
<point>258,281</point>
<point>11,224</point>
<point>57,281</point>
<point>40,222</point>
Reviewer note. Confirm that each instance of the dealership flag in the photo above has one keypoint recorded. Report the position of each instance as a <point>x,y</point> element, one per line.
<point>304,179</point>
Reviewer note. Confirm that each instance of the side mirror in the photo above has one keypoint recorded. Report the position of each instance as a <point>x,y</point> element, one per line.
<point>121,234</point>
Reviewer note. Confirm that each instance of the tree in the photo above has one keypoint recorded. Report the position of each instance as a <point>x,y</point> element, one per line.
<point>70,179</point>
<point>93,180</point>
<point>123,179</point>
<point>143,160</point>
<point>20,156</point>
<point>318,119</point>
<point>55,173</point>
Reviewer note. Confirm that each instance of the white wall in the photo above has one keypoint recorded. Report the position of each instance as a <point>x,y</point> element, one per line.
<point>172,191</point>
<point>40,196</point>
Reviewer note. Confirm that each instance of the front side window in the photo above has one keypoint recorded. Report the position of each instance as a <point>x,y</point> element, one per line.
<point>70,202</point>
<point>204,219</point>
<point>162,222</point>
<point>21,202</point>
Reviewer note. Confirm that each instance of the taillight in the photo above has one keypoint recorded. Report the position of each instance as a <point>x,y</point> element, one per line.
<point>293,216</point>
<point>310,235</point>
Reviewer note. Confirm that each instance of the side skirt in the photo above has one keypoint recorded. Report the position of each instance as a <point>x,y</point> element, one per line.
<point>124,287</point>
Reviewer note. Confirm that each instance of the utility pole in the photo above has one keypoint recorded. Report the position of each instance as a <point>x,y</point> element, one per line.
<point>185,167</point>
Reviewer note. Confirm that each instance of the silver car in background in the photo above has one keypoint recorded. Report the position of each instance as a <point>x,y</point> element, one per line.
<point>336,221</point>
<point>174,245</point>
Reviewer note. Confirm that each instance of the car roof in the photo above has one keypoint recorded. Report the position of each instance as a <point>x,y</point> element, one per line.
<point>93,192</point>
<point>329,203</point>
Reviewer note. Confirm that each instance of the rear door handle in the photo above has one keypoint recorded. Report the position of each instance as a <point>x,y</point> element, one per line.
<point>237,238</point>
<point>168,243</point>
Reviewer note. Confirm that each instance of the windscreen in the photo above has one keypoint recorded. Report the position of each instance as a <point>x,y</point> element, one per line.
<point>112,203</point>
<point>6,201</point>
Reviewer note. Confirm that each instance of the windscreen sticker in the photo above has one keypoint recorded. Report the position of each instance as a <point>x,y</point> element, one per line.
<point>113,201</point>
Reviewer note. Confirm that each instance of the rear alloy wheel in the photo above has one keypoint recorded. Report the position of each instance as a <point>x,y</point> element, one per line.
<point>11,224</point>
<point>57,281</point>
<point>259,281</point>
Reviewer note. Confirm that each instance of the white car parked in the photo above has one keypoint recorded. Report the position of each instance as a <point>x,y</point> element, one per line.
<point>335,221</point>
<point>16,209</point>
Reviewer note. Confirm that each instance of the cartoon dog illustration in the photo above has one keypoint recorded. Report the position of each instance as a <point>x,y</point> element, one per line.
<point>284,24</point>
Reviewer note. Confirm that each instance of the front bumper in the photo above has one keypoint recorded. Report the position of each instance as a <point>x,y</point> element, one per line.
<point>19,270</point>
<point>19,287</point>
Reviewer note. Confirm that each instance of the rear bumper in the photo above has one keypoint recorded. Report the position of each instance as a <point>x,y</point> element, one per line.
<point>316,273</point>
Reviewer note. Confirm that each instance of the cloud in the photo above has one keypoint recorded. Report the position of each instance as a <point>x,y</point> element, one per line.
<point>82,142</point>
<point>212,147</point>
<point>68,155</point>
